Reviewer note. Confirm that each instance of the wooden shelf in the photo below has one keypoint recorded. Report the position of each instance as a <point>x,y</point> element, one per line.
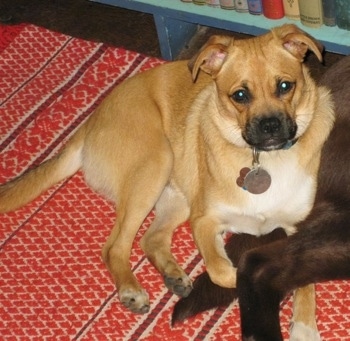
<point>177,21</point>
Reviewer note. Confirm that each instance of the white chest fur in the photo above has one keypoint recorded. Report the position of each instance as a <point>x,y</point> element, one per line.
<point>288,200</point>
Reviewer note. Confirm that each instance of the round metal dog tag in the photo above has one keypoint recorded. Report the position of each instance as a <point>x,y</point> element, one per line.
<point>257,181</point>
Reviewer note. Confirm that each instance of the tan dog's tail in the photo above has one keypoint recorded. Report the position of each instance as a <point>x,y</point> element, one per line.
<point>28,186</point>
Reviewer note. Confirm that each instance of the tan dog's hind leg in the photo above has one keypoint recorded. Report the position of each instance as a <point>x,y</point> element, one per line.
<point>116,254</point>
<point>304,327</point>
<point>138,196</point>
<point>171,210</point>
<point>209,240</point>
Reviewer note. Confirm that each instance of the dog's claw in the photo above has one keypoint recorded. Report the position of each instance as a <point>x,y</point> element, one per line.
<point>137,310</point>
<point>180,286</point>
<point>137,302</point>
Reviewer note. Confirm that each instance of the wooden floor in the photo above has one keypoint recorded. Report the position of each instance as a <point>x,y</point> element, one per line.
<point>115,26</point>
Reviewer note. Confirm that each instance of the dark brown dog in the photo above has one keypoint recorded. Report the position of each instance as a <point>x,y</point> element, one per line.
<point>319,251</point>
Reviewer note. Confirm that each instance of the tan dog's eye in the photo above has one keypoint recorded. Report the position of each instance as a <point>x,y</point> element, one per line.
<point>284,87</point>
<point>241,96</point>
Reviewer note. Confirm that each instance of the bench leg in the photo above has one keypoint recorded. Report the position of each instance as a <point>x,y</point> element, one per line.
<point>173,35</point>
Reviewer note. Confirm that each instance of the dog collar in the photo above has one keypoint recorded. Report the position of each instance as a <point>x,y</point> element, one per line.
<point>290,143</point>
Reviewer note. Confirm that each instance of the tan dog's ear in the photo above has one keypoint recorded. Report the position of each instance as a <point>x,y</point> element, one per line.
<point>210,57</point>
<point>297,42</point>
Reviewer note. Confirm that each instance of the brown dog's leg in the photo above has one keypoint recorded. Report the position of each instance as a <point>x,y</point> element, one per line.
<point>171,210</point>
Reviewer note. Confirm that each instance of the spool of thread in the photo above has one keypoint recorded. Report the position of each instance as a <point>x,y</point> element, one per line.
<point>273,9</point>
<point>254,7</point>
<point>227,4</point>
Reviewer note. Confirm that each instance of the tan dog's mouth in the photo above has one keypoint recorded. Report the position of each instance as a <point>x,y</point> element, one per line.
<point>273,144</point>
<point>271,132</point>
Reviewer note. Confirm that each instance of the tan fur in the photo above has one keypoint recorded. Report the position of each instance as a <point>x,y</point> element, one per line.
<point>177,142</point>
<point>304,327</point>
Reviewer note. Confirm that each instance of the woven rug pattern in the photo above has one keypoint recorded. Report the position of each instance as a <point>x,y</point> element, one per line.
<point>53,285</point>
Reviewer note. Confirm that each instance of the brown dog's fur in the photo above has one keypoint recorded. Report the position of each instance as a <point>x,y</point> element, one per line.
<point>177,141</point>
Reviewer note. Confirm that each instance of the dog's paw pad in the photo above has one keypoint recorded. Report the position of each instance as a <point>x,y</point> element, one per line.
<point>181,286</point>
<point>135,301</point>
<point>301,332</point>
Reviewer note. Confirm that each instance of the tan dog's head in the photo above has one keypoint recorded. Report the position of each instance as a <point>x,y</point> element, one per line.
<point>265,94</point>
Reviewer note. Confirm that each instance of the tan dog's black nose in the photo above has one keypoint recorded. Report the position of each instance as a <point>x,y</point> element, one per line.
<point>270,125</point>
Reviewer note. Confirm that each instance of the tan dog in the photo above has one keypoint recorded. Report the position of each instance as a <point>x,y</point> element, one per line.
<point>178,142</point>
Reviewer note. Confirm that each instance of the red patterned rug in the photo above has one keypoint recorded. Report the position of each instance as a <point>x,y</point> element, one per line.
<point>53,283</point>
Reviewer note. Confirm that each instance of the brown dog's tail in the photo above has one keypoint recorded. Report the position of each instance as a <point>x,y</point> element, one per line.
<point>28,186</point>
<point>205,294</point>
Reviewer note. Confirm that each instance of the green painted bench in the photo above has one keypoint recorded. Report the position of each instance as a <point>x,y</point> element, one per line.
<point>177,21</point>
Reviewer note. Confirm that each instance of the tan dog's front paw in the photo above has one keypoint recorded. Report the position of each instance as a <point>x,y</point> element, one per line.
<point>302,332</point>
<point>135,300</point>
<point>181,286</point>
<point>222,272</point>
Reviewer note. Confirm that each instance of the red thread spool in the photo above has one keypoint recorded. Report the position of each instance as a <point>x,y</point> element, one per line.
<point>273,9</point>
